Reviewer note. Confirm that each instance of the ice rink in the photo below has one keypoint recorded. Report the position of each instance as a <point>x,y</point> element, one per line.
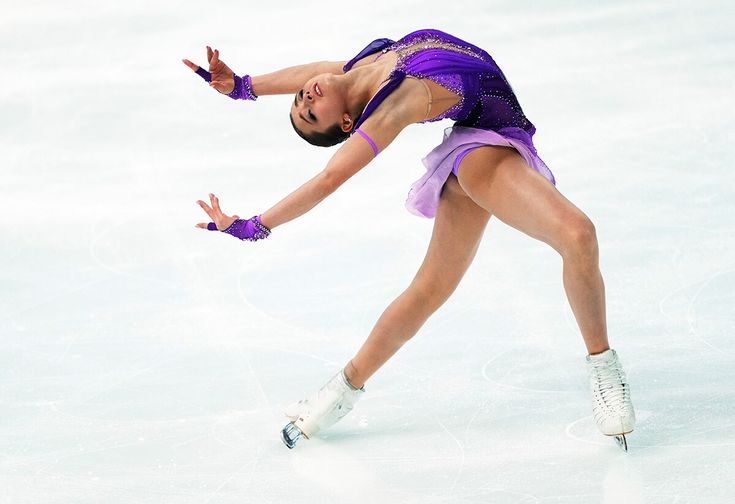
<point>146,361</point>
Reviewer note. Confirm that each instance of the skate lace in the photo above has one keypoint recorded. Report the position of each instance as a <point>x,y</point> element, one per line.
<point>611,388</point>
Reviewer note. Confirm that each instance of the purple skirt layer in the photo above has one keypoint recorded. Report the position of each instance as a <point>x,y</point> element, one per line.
<point>423,198</point>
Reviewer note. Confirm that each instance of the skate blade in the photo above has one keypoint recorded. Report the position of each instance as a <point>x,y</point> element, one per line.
<point>622,442</point>
<point>290,434</point>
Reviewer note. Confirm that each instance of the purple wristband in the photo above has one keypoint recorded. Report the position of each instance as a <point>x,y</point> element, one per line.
<point>243,89</point>
<point>250,230</point>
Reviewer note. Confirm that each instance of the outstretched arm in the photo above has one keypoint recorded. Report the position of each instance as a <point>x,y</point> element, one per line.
<point>285,81</point>
<point>354,155</point>
<point>289,80</point>
<point>350,158</point>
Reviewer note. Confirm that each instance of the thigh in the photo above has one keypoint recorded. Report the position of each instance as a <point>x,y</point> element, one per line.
<point>458,227</point>
<point>499,180</point>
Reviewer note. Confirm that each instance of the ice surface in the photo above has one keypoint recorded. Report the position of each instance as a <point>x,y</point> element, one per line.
<point>145,360</point>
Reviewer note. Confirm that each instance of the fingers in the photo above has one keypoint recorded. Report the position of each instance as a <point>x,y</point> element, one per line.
<point>215,203</point>
<point>212,57</point>
<point>214,212</point>
<point>190,64</point>
<point>206,208</point>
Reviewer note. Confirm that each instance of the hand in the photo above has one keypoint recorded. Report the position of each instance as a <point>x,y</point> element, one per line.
<point>222,78</point>
<point>221,220</point>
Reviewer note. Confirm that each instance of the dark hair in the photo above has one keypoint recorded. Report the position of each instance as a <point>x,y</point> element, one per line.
<point>332,136</point>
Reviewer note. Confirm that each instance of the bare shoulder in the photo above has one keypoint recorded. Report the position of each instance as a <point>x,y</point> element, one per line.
<point>405,105</point>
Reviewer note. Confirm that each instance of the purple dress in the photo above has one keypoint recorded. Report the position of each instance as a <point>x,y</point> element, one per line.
<point>488,112</point>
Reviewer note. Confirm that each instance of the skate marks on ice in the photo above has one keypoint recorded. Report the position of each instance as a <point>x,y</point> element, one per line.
<point>435,447</point>
<point>708,313</point>
<point>303,331</point>
<point>336,472</point>
<point>120,236</point>
<point>111,249</point>
<point>364,476</point>
<point>701,262</point>
<point>244,479</point>
<point>460,470</point>
<point>522,366</point>
<point>526,370</point>
<point>584,431</point>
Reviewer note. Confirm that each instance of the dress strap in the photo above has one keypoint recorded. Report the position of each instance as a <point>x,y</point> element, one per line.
<point>373,47</point>
<point>394,80</point>
<point>369,140</point>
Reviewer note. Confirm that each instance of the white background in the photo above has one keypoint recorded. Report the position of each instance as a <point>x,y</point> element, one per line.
<point>144,360</point>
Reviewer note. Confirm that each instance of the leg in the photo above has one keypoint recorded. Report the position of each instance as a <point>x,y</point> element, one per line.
<point>458,228</point>
<point>499,180</point>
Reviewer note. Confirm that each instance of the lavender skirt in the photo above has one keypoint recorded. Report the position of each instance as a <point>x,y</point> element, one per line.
<point>423,198</point>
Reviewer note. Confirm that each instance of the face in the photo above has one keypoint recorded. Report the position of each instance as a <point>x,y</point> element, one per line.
<point>318,105</point>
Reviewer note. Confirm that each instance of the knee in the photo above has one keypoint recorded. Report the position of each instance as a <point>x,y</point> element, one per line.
<point>429,296</point>
<point>581,238</point>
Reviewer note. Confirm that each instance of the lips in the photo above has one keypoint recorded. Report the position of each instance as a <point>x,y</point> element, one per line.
<point>317,90</point>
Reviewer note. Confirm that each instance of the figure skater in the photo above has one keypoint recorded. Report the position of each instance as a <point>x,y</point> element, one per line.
<point>486,165</point>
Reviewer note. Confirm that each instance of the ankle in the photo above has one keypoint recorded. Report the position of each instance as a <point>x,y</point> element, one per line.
<point>351,377</point>
<point>598,350</point>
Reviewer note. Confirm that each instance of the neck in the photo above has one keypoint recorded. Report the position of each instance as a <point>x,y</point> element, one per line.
<point>360,85</point>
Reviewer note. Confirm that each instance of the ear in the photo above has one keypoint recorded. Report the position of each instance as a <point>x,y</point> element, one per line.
<point>346,123</point>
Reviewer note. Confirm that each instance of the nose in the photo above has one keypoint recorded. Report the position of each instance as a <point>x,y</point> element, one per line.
<point>308,96</point>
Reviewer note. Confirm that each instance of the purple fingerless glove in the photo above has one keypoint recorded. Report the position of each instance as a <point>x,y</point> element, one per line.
<point>250,230</point>
<point>243,89</point>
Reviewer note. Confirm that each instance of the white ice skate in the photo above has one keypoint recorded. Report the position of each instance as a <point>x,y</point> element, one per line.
<point>322,410</point>
<point>611,405</point>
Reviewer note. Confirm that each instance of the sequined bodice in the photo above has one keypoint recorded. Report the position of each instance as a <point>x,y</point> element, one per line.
<point>486,98</point>
<point>408,47</point>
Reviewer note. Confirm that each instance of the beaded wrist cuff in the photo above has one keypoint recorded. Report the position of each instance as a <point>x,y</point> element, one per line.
<point>263,232</point>
<point>250,230</point>
<point>243,89</point>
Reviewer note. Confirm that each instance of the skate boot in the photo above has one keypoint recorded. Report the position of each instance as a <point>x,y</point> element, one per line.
<point>333,401</point>
<point>611,405</point>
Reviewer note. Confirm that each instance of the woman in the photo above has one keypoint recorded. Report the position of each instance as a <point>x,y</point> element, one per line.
<point>487,165</point>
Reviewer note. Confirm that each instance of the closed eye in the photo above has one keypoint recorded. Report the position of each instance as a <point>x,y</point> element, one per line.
<point>300,96</point>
